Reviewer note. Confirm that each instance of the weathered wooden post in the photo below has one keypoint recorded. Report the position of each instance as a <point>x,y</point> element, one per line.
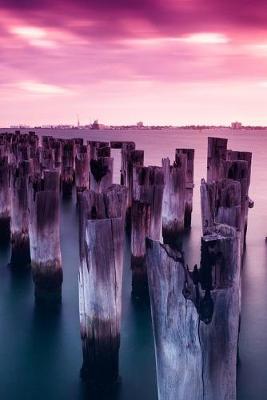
<point>45,237</point>
<point>101,173</point>
<point>4,199</point>
<point>67,168</point>
<point>189,185</point>
<point>175,323</point>
<point>173,209</point>
<point>217,153</point>
<point>82,169</point>
<point>220,278</point>
<point>125,149</point>
<point>20,246</point>
<point>100,282</point>
<point>94,147</point>
<point>220,203</point>
<point>238,170</point>
<point>146,221</point>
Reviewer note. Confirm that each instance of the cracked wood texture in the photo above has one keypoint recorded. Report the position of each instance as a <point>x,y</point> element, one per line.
<point>175,326</point>
<point>217,153</point>
<point>101,173</point>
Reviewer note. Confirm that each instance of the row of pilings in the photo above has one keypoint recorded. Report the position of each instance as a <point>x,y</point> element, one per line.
<point>195,311</point>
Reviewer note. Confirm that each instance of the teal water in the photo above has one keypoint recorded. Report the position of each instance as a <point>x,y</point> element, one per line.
<point>40,352</point>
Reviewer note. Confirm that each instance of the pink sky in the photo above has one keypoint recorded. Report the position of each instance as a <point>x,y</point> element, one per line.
<point>119,61</point>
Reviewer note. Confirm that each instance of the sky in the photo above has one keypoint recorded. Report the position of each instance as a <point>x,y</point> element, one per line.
<point>157,61</point>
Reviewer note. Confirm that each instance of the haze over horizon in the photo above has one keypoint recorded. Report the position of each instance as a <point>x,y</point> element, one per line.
<point>162,62</point>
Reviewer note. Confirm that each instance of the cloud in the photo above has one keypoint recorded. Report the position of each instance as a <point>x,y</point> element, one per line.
<point>42,88</point>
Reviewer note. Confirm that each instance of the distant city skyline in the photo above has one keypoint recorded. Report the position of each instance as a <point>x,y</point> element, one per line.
<point>160,62</point>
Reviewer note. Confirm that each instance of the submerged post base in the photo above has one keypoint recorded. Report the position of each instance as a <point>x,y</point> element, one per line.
<point>20,251</point>
<point>4,229</point>
<point>100,357</point>
<point>48,282</point>
<point>139,278</point>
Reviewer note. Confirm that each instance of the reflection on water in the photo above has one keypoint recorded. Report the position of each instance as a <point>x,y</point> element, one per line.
<point>40,350</point>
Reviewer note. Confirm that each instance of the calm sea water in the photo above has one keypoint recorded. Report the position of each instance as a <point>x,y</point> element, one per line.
<point>40,352</point>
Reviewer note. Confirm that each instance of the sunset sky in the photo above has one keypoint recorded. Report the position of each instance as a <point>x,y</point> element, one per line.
<point>159,61</point>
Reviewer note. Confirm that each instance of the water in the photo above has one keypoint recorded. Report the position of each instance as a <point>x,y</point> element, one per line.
<point>40,353</point>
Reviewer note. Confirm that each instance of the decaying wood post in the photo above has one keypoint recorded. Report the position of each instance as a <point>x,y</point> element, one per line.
<point>238,170</point>
<point>135,159</point>
<point>126,147</point>
<point>217,153</point>
<point>44,231</point>
<point>189,185</point>
<point>20,246</point>
<point>195,318</point>
<point>173,208</point>
<point>5,201</point>
<point>67,168</point>
<point>100,282</point>
<point>146,221</point>
<point>101,173</point>
<point>175,323</point>
<point>94,146</point>
<point>220,203</point>
<point>220,278</point>
<point>82,169</point>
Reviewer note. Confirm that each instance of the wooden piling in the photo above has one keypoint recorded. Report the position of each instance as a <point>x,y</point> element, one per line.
<point>217,154</point>
<point>220,278</point>
<point>146,221</point>
<point>82,169</point>
<point>45,237</point>
<point>189,183</point>
<point>20,246</point>
<point>101,173</point>
<point>173,209</point>
<point>5,200</point>
<point>100,282</point>
<point>175,324</point>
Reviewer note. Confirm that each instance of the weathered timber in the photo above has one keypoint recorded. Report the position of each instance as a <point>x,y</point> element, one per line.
<point>175,323</point>
<point>238,170</point>
<point>103,151</point>
<point>82,169</point>
<point>125,149</point>
<point>220,278</point>
<point>5,200</point>
<point>146,221</point>
<point>44,229</point>
<point>67,168</point>
<point>189,183</point>
<point>101,173</point>
<point>20,246</point>
<point>217,153</point>
<point>100,281</point>
<point>173,209</point>
<point>220,203</point>
<point>94,146</point>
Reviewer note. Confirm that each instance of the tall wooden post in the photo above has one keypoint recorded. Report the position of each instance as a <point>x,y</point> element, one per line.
<point>173,210</point>
<point>82,169</point>
<point>217,153</point>
<point>189,185</point>
<point>20,247</point>
<point>4,198</point>
<point>175,323</point>
<point>100,282</point>
<point>45,237</point>
<point>220,278</point>
<point>146,221</point>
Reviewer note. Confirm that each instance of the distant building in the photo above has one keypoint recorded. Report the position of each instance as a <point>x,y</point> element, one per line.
<point>140,124</point>
<point>95,125</point>
<point>236,125</point>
